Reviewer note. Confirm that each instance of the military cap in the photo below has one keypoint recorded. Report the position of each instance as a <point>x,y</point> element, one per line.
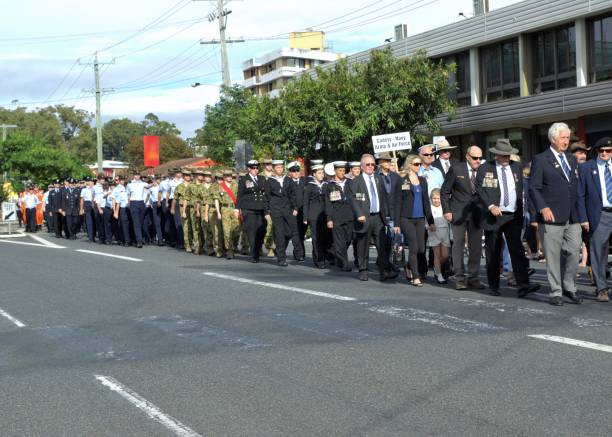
<point>503,147</point>
<point>316,161</point>
<point>317,167</point>
<point>253,163</point>
<point>277,162</point>
<point>267,161</point>
<point>120,177</point>
<point>87,179</point>
<point>218,175</point>
<point>197,172</point>
<point>242,173</point>
<point>444,145</point>
<point>135,172</point>
<point>186,173</point>
<point>294,166</point>
<point>339,164</point>
<point>111,182</point>
<point>579,145</point>
<point>207,173</point>
<point>56,181</point>
<point>603,142</point>
<point>228,173</point>
<point>354,164</point>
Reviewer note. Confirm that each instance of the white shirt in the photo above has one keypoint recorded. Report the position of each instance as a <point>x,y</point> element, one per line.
<point>559,160</point>
<point>136,190</point>
<point>87,194</point>
<point>601,167</point>
<point>98,195</point>
<point>30,200</point>
<point>371,185</point>
<point>438,216</point>
<point>153,192</point>
<point>511,189</point>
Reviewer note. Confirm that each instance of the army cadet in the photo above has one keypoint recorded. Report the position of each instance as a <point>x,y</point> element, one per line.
<point>254,207</point>
<point>314,216</point>
<point>194,192</point>
<point>230,215</point>
<point>121,211</point>
<point>245,249</point>
<point>180,205</point>
<point>339,215</point>
<point>269,237</point>
<point>206,204</point>
<point>70,208</point>
<point>299,183</point>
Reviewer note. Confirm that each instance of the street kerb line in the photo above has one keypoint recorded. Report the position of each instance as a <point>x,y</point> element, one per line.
<point>93,252</point>
<point>573,342</point>
<point>147,407</point>
<point>43,241</point>
<point>281,287</point>
<point>15,321</point>
<point>55,246</point>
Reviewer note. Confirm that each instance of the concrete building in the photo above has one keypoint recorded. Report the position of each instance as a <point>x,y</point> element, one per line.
<point>270,73</point>
<point>521,67</point>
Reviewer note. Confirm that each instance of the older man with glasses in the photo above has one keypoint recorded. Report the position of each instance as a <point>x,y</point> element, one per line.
<point>595,211</point>
<point>434,177</point>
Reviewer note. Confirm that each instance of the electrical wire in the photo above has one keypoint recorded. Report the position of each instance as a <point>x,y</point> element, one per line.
<point>74,64</point>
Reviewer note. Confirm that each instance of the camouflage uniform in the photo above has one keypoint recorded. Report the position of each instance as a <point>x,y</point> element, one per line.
<point>193,191</point>
<point>206,199</point>
<point>181,197</point>
<point>214,220</point>
<point>229,222</point>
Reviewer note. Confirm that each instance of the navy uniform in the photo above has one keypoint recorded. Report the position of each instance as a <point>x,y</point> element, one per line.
<point>54,207</point>
<point>136,192</point>
<point>253,204</point>
<point>299,184</point>
<point>110,223</point>
<point>70,208</point>
<point>121,212</point>
<point>87,209</point>
<point>314,215</point>
<point>98,190</point>
<point>339,215</point>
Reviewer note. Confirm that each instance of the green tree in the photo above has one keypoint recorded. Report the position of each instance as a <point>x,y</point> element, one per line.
<point>117,134</point>
<point>152,125</point>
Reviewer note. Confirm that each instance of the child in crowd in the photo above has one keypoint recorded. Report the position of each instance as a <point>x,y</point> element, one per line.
<point>439,239</point>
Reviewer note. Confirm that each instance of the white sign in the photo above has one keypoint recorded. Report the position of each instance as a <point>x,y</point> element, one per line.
<point>9,212</point>
<point>387,143</point>
<point>437,140</point>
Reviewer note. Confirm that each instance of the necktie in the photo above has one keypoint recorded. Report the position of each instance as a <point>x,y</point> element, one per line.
<point>564,165</point>
<point>473,180</point>
<point>505,187</point>
<point>608,177</point>
<point>373,198</point>
<point>446,167</point>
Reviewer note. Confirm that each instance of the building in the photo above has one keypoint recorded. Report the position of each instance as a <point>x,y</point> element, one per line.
<point>270,73</point>
<point>522,67</point>
<point>110,168</point>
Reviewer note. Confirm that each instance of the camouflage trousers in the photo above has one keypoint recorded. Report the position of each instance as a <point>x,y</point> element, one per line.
<point>231,229</point>
<point>269,238</point>
<point>213,233</point>
<point>196,230</point>
<point>187,229</point>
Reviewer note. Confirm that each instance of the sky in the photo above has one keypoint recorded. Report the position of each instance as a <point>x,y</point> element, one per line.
<point>47,48</point>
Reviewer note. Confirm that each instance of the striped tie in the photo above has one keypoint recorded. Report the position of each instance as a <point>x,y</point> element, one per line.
<point>505,187</point>
<point>564,165</point>
<point>608,177</point>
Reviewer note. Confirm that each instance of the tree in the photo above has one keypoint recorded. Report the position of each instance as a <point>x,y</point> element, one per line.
<point>152,125</point>
<point>171,147</point>
<point>117,134</point>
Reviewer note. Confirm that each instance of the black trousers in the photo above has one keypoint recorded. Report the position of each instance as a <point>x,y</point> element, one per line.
<point>372,229</point>
<point>321,240</point>
<point>155,213</point>
<point>124,225</point>
<point>414,235</point>
<point>109,228</point>
<point>90,219</point>
<point>99,223</point>
<point>50,217</point>
<point>510,228</point>
<point>30,219</point>
<point>342,234</point>
<point>58,223</point>
<point>255,226</point>
<point>72,225</point>
<point>285,228</point>
<point>300,251</point>
<point>137,210</point>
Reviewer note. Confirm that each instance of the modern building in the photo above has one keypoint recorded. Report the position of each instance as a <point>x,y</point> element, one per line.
<point>270,73</point>
<point>110,168</point>
<point>522,67</point>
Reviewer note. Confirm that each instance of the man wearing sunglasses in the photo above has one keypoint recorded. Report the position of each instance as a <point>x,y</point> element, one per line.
<point>461,207</point>
<point>595,210</point>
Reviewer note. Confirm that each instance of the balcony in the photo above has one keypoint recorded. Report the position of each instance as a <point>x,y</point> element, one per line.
<point>278,73</point>
<point>251,81</point>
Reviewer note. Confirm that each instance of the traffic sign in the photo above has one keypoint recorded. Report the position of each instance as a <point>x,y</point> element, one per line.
<point>9,212</point>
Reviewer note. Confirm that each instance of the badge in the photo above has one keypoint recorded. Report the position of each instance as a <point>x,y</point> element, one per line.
<point>460,177</point>
<point>249,184</point>
<point>489,175</point>
<point>557,165</point>
<point>405,187</point>
<point>359,196</point>
<point>594,171</point>
<point>334,196</point>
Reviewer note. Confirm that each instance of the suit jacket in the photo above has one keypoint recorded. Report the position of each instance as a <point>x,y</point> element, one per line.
<point>437,164</point>
<point>252,195</point>
<point>391,181</point>
<point>490,192</point>
<point>404,200</point>
<point>54,200</point>
<point>281,198</point>
<point>548,187</point>
<point>457,197</point>
<point>70,201</point>
<point>589,201</point>
<point>360,200</point>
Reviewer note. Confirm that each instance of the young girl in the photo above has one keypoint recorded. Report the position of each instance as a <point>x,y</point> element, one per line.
<point>439,239</point>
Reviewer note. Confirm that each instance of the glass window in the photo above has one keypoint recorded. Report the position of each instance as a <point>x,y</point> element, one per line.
<point>600,32</point>
<point>459,81</point>
<point>554,59</point>
<point>500,71</point>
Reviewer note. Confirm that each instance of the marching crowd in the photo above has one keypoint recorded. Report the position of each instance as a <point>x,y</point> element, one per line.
<point>438,208</point>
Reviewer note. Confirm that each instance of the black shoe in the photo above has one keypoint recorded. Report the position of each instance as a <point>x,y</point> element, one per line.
<point>494,292</point>
<point>528,288</point>
<point>530,272</point>
<point>573,297</point>
<point>300,259</point>
<point>255,260</point>
<point>363,275</point>
<point>556,301</point>
<point>139,245</point>
<point>387,274</point>
<point>347,269</point>
<point>229,256</point>
<point>283,263</point>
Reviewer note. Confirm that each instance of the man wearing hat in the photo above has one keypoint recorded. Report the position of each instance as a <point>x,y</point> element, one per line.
<point>98,203</point>
<point>499,184</point>
<point>595,211</point>
<point>552,187</point>
<point>30,202</point>
<point>580,151</point>
<point>230,216</point>
<point>444,161</point>
<point>208,204</point>
<point>154,211</point>
<point>176,225</point>
<point>87,208</point>
<point>354,169</point>
<point>182,206</point>
<point>166,217</point>
<point>269,237</point>
<point>70,208</point>
<point>314,215</point>
<point>299,183</point>
<point>254,207</point>
<point>136,191</point>
<point>121,211</point>
<point>53,210</point>
<point>390,181</point>
<point>339,215</point>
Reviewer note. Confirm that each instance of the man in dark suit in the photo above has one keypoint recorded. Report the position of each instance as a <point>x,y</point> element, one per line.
<point>595,211</point>
<point>461,207</point>
<point>499,184</point>
<point>54,206</point>
<point>70,208</point>
<point>552,189</point>
<point>369,202</point>
<point>444,161</point>
<point>299,184</point>
<point>254,207</point>
<point>390,180</point>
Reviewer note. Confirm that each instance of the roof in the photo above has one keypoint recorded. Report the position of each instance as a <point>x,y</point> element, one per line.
<point>185,162</point>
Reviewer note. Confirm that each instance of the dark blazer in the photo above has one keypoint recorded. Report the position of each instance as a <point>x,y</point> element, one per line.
<point>252,195</point>
<point>437,164</point>
<point>457,198</point>
<point>404,200</point>
<point>70,201</point>
<point>338,211</point>
<point>548,187</point>
<point>390,181</point>
<point>491,195</point>
<point>298,192</point>
<point>54,200</point>
<point>314,201</point>
<point>281,198</point>
<point>360,199</point>
<point>589,201</point>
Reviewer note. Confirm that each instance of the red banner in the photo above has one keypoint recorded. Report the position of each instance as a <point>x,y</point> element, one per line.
<point>151,150</point>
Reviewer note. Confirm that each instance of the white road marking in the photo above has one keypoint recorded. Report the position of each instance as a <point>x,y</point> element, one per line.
<point>43,241</point>
<point>281,287</point>
<point>15,235</point>
<point>32,244</point>
<point>443,320</point>
<point>93,252</point>
<point>147,407</point>
<point>16,321</point>
<point>572,342</point>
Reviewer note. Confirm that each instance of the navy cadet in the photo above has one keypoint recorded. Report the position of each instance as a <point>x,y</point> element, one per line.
<point>69,208</point>
<point>314,216</point>
<point>87,208</point>
<point>339,215</point>
<point>354,169</point>
<point>45,207</point>
<point>253,205</point>
<point>299,183</point>
<point>110,224</point>
<point>136,191</point>
<point>98,190</point>
<point>121,211</point>
<point>279,190</point>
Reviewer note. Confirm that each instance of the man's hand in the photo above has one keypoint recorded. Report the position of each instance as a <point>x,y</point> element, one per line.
<point>158,203</point>
<point>184,215</point>
<point>205,218</point>
<point>432,228</point>
<point>397,230</point>
<point>448,216</point>
<point>305,222</point>
<point>116,215</point>
<point>585,226</point>
<point>81,212</point>
<point>295,213</point>
<point>495,211</point>
<point>330,225</point>
<point>361,219</point>
<point>236,215</point>
<point>547,215</point>
<point>267,217</point>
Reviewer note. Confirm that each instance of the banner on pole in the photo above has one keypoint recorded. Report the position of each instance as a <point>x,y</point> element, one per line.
<point>151,150</point>
<point>390,142</point>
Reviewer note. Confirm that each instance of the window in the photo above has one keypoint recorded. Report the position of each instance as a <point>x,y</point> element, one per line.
<point>500,71</point>
<point>459,82</point>
<point>554,65</point>
<point>296,62</point>
<point>515,136</point>
<point>600,32</point>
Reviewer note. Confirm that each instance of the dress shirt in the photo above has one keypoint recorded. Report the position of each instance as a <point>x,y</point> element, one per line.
<point>445,163</point>
<point>601,168</point>
<point>559,160</point>
<point>136,190</point>
<point>371,183</point>
<point>120,196</point>
<point>108,199</point>
<point>511,189</point>
<point>173,184</point>
<point>434,177</point>
<point>87,194</point>
<point>98,195</point>
<point>30,200</point>
<point>164,188</point>
<point>46,198</point>
<point>153,192</point>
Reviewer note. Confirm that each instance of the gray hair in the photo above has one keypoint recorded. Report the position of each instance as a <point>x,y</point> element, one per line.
<point>555,129</point>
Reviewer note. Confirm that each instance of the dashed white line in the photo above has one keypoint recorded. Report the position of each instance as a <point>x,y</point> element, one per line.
<point>573,342</point>
<point>93,252</point>
<point>15,320</point>
<point>147,407</point>
<point>281,287</point>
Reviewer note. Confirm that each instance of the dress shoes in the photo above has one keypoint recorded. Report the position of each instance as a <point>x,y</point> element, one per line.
<point>460,285</point>
<point>528,288</point>
<point>254,260</point>
<point>283,264</point>
<point>602,296</point>
<point>556,301</point>
<point>494,292</point>
<point>530,271</point>
<point>573,297</point>
<point>476,285</point>
<point>363,276</point>
<point>347,269</point>
<point>387,274</point>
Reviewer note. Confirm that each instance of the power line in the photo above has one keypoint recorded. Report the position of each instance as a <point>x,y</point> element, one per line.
<point>75,81</point>
<point>74,64</point>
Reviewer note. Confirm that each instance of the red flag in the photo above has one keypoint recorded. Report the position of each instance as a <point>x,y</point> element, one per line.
<point>151,150</point>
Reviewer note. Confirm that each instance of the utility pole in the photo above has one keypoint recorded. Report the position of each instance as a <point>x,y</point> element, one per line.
<point>5,128</point>
<point>98,92</point>
<point>221,15</point>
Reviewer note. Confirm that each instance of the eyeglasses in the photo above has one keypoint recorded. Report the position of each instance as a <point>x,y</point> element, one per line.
<point>605,150</point>
<point>475,158</point>
<point>416,164</point>
<point>369,164</point>
<point>427,154</point>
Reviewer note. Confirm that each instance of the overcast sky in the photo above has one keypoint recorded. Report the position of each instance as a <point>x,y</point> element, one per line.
<point>41,41</point>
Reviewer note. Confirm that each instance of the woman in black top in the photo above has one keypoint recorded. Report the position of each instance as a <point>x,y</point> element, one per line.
<point>412,209</point>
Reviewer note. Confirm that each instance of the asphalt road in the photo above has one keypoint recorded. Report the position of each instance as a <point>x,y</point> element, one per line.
<point>170,344</point>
